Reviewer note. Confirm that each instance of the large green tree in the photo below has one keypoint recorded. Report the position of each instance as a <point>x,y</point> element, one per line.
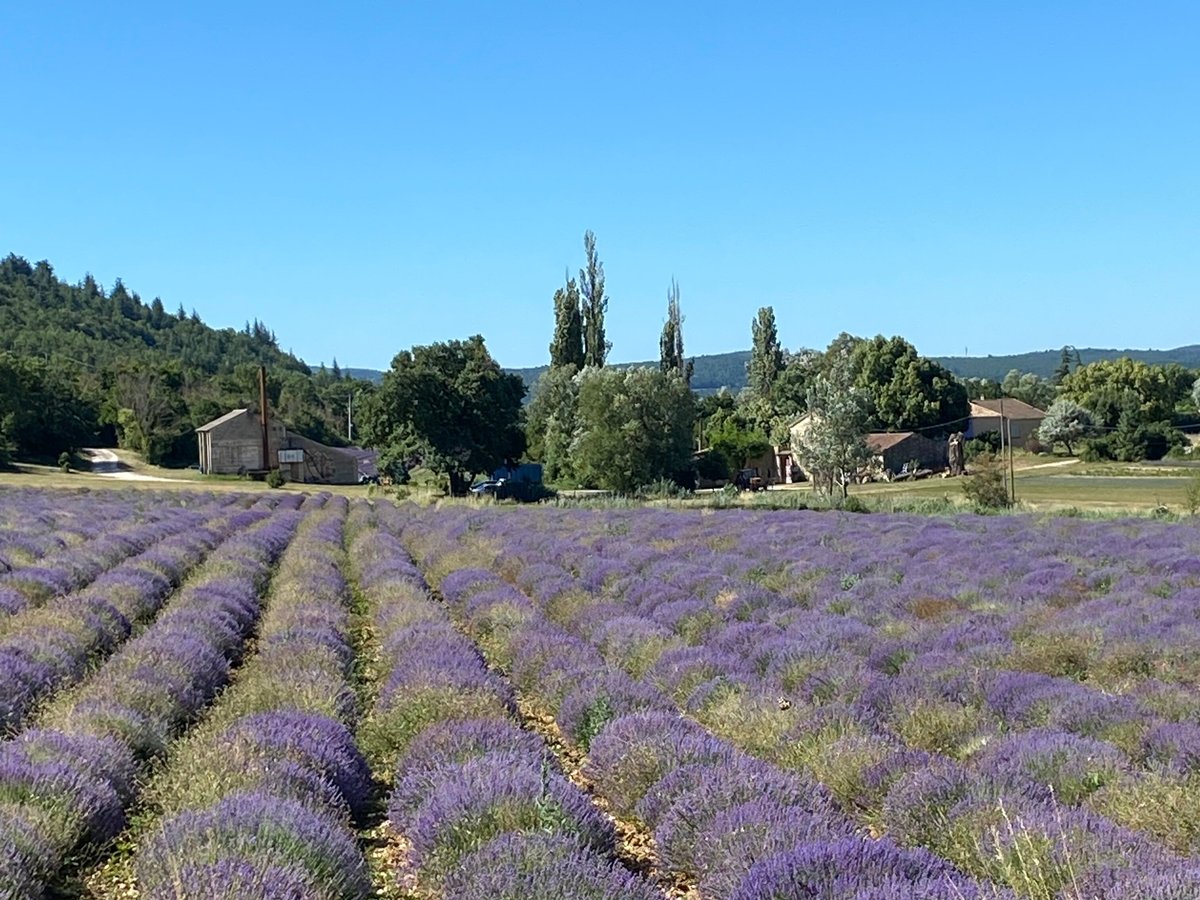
<point>552,423</point>
<point>834,445</point>
<point>594,305</point>
<point>1066,423</point>
<point>151,415</point>
<point>1104,388</point>
<point>903,390</point>
<point>1029,388</point>
<point>734,440</point>
<point>635,427</point>
<point>448,407</point>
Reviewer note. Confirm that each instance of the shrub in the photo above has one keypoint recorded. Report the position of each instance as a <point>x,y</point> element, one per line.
<point>275,479</point>
<point>988,442</point>
<point>986,487</point>
<point>1191,495</point>
<point>662,489</point>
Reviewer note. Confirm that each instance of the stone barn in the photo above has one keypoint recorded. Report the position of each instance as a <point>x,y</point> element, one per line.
<point>233,445</point>
<point>893,449</point>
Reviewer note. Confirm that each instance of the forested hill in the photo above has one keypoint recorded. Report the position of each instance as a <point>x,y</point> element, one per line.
<point>1044,362</point>
<point>729,369</point>
<point>81,364</point>
<point>42,316</point>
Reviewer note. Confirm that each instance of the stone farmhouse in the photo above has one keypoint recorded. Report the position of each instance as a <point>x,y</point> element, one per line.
<point>1023,419</point>
<point>233,445</point>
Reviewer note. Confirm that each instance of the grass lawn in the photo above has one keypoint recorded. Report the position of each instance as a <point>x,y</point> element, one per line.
<point>1042,484</point>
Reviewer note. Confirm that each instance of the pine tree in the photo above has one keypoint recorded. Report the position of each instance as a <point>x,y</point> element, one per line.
<point>595,304</point>
<point>566,348</point>
<point>1064,366</point>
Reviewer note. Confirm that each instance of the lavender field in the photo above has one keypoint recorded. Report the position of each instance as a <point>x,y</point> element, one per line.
<point>278,696</point>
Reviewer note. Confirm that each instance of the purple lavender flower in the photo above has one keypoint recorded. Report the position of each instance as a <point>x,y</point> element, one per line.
<point>245,879</point>
<point>848,868</point>
<point>102,758</point>
<point>1176,744</point>
<point>266,832</point>
<point>598,700</point>
<point>635,751</point>
<point>467,804</point>
<point>315,742</point>
<point>738,837</point>
<point>525,866</point>
<point>73,806</point>
<point>26,858</point>
<point>699,794</point>
<point>1165,881</point>
<point>1069,765</point>
<point>460,740</point>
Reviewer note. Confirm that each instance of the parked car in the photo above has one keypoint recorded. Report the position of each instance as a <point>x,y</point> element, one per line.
<point>487,488</point>
<point>750,480</point>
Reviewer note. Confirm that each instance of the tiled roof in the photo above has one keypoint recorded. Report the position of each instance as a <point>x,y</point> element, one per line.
<point>886,440</point>
<point>229,416</point>
<point>1013,409</point>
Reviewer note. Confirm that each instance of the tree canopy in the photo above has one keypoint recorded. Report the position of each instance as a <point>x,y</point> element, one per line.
<point>1104,388</point>
<point>1066,423</point>
<point>905,391</point>
<point>448,407</point>
<point>635,427</point>
<point>834,445</point>
<point>552,423</point>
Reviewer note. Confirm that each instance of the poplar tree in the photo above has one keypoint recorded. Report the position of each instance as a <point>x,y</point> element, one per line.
<point>766,355</point>
<point>595,303</point>
<point>670,345</point>
<point>566,349</point>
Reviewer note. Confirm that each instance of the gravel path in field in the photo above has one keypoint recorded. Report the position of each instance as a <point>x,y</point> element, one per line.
<point>108,464</point>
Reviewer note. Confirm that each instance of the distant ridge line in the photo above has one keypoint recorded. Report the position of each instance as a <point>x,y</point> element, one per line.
<point>728,370</point>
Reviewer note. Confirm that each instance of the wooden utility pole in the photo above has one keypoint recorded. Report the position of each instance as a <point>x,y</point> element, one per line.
<point>1012,475</point>
<point>1003,464</point>
<point>265,417</point>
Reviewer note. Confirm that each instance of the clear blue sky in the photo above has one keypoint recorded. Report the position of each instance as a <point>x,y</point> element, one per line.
<point>362,177</point>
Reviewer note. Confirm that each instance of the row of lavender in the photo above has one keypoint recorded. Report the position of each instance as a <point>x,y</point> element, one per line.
<point>821,647</point>
<point>44,648</point>
<point>35,523</point>
<point>64,560</point>
<point>725,822</point>
<point>65,786</point>
<point>481,806</point>
<point>262,798</point>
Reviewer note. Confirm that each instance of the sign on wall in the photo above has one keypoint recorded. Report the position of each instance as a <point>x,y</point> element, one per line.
<point>291,456</point>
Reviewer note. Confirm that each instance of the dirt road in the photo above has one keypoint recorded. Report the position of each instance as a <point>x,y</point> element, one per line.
<point>108,464</point>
